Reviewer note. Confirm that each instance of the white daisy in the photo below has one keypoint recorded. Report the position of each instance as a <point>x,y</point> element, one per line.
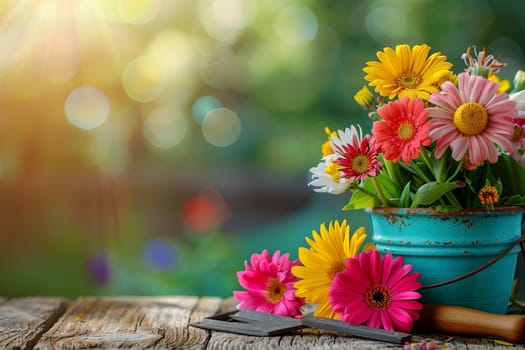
<point>519,98</point>
<point>327,178</point>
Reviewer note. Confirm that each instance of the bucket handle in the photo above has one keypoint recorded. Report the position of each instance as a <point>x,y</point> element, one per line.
<point>520,241</point>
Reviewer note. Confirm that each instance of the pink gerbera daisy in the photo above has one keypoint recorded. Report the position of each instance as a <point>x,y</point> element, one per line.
<point>378,292</point>
<point>403,129</point>
<point>269,285</point>
<point>356,154</point>
<point>471,118</point>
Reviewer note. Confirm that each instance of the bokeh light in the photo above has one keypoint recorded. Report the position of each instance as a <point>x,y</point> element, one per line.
<point>87,107</point>
<point>138,84</point>
<point>221,127</point>
<point>165,127</point>
<point>296,24</point>
<point>204,213</point>
<point>224,20</point>
<point>170,56</point>
<point>202,106</point>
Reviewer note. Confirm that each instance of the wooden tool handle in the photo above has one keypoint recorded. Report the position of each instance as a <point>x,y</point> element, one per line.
<point>465,321</point>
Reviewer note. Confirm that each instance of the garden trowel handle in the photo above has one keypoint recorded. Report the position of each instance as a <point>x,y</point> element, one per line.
<point>465,321</point>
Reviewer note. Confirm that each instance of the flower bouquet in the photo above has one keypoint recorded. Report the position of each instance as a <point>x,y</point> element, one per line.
<point>438,141</point>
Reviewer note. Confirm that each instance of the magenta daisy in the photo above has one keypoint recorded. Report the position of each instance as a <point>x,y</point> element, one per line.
<point>268,281</point>
<point>471,118</point>
<point>403,130</point>
<point>356,154</point>
<point>380,292</point>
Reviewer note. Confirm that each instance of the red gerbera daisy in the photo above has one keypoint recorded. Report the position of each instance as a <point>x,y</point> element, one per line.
<point>378,292</point>
<point>403,130</point>
<point>356,154</point>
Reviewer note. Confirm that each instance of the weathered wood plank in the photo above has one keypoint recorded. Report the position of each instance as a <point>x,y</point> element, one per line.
<point>302,339</point>
<point>184,337</point>
<point>24,320</point>
<point>162,323</point>
<point>319,339</point>
<point>316,339</point>
<point>131,322</point>
<point>467,343</point>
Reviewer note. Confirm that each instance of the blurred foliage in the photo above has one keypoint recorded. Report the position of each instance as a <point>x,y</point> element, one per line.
<point>149,146</point>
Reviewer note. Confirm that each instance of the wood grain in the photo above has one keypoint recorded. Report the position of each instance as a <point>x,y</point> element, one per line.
<point>24,320</point>
<point>162,323</point>
<point>130,323</point>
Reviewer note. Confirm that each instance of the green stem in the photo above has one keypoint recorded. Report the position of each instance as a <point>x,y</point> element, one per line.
<point>408,168</point>
<point>442,169</point>
<point>391,172</point>
<point>380,192</point>
<point>453,200</point>
<point>415,169</point>
<point>428,162</point>
<point>364,190</point>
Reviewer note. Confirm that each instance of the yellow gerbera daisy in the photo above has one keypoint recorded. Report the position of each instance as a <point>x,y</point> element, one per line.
<point>407,72</point>
<point>364,98</point>
<point>504,85</point>
<point>326,256</point>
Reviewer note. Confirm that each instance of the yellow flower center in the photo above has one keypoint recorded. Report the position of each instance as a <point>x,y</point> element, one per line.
<point>333,170</point>
<point>378,297</point>
<point>471,118</point>
<point>405,131</point>
<point>360,163</point>
<point>408,80</point>
<point>274,290</point>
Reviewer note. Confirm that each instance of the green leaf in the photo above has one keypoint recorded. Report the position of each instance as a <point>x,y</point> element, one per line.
<point>499,186</point>
<point>515,200</point>
<point>430,192</point>
<point>404,201</point>
<point>511,174</point>
<point>390,190</point>
<point>361,200</point>
<point>458,167</point>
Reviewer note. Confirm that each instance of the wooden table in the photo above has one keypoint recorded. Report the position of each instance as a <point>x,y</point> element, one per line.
<point>161,323</point>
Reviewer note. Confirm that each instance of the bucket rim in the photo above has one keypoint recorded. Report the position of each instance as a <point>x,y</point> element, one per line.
<point>388,211</point>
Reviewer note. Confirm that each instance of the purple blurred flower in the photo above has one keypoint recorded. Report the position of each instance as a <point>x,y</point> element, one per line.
<point>160,254</point>
<point>98,267</point>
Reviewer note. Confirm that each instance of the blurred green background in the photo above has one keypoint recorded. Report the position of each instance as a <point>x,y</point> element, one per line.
<point>150,146</point>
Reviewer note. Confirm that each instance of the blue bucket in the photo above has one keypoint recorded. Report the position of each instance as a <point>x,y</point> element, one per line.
<point>443,246</point>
